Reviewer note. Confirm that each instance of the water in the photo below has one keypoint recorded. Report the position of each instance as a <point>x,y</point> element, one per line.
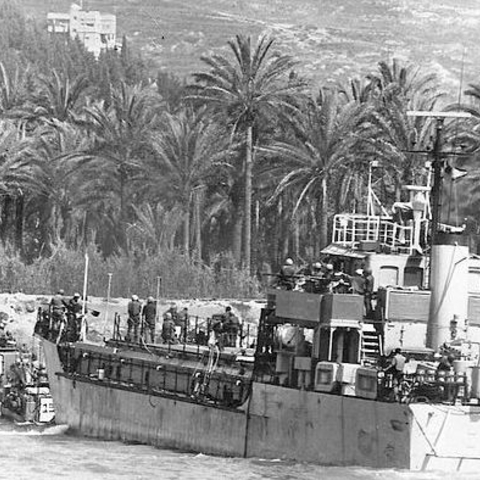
<point>52,454</point>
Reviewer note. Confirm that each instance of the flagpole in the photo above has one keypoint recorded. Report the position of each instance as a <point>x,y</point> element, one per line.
<point>83,332</point>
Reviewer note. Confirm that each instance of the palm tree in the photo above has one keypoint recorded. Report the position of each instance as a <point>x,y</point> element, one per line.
<point>404,80</point>
<point>58,98</point>
<point>396,134</point>
<point>155,227</point>
<point>245,91</point>
<point>121,144</point>
<point>320,145</point>
<point>12,90</point>
<point>19,176</point>
<point>187,148</point>
<point>62,181</point>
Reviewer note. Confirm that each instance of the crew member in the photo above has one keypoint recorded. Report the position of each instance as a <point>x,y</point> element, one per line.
<point>231,327</point>
<point>358,282</point>
<point>17,374</point>
<point>316,269</point>
<point>57,310</point>
<point>445,365</point>
<point>168,329</point>
<point>183,323</point>
<point>74,318</point>
<point>149,315</point>
<point>133,322</point>
<point>286,276</point>
<point>368,289</point>
<point>74,305</point>
<point>173,312</point>
<point>396,368</point>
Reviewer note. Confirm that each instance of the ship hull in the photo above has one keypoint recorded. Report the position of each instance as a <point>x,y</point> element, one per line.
<point>275,422</point>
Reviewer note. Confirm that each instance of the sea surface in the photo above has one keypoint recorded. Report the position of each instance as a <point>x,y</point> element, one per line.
<point>52,454</point>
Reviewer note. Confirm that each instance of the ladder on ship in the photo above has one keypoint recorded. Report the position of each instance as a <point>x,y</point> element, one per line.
<point>371,345</point>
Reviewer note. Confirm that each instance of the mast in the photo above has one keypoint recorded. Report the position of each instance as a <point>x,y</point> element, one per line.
<point>437,177</point>
<point>448,279</point>
<point>437,161</point>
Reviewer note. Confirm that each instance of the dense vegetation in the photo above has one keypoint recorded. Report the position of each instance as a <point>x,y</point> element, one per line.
<point>202,182</point>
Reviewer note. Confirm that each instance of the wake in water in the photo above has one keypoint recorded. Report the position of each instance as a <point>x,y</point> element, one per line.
<point>30,429</point>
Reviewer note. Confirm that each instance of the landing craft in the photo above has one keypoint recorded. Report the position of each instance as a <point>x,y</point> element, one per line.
<point>313,385</point>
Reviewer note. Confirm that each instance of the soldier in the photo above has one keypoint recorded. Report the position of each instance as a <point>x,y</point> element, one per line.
<point>183,323</point>
<point>133,322</point>
<point>74,318</point>
<point>231,327</point>
<point>57,311</point>
<point>368,292</point>
<point>286,276</point>
<point>168,329</point>
<point>149,315</point>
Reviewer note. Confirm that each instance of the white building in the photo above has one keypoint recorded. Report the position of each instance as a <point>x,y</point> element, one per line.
<point>94,29</point>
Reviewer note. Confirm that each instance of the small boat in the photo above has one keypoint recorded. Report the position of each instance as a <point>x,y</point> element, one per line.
<point>24,393</point>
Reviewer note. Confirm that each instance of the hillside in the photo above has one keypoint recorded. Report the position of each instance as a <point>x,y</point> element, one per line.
<point>331,38</point>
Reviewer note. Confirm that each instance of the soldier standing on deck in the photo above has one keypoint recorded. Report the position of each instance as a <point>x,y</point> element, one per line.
<point>133,322</point>
<point>74,318</point>
<point>149,315</point>
<point>368,292</point>
<point>286,276</point>
<point>57,311</point>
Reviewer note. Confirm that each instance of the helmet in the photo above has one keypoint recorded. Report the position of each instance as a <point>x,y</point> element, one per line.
<point>359,271</point>
<point>289,261</point>
<point>61,292</point>
<point>168,316</point>
<point>134,298</point>
<point>150,299</point>
<point>317,265</point>
<point>329,266</point>
<point>76,295</point>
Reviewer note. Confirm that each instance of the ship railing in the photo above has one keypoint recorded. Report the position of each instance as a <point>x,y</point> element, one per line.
<point>194,383</point>
<point>352,230</point>
<point>196,331</point>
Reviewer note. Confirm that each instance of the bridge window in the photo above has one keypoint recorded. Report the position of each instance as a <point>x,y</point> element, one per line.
<point>474,281</point>
<point>413,277</point>
<point>388,275</point>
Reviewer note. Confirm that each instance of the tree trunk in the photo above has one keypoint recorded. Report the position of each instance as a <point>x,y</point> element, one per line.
<point>296,236</point>
<point>186,230</point>
<point>198,225</point>
<point>256,237</point>
<point>19,213</point>
<point>123,214</point>
<point>247,239</point>
<point>324,215</point>
<point>7,203</point>
<point>237,235</point>
<point>285,243</point>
